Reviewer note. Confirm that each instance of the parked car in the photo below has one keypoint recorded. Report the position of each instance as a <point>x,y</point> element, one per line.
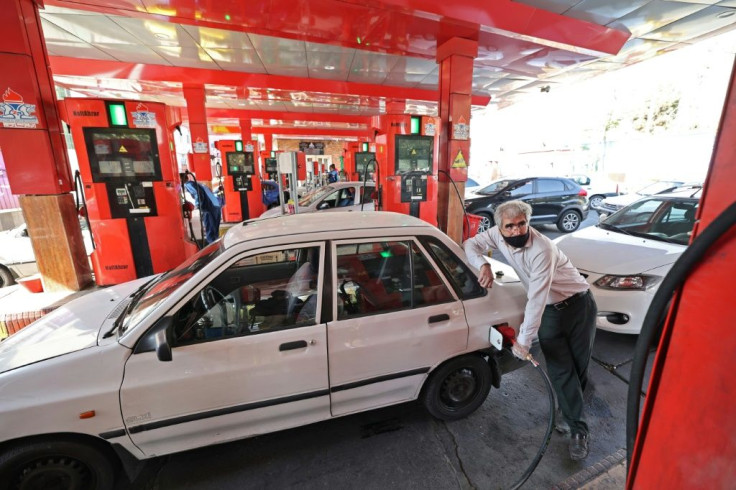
<point>553,199</point>
<point>613,204</point>
<point>471,186</point>
<point>598,188</point>
<point>338,196</point>
<point>17,259</point>
<point>628,254</point>
<point>280,323</point>
<point>271,193</point>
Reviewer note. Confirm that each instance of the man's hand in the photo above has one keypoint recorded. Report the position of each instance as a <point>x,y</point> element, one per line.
<point>485,278</point>
<point>521,351</point>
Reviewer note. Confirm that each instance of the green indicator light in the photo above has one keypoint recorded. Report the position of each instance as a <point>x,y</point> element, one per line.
<point>386,253</point>
<point>415,123</point>
<point>227,16</point>
<point>358,40</point>
<point>273,154</point>
<point>117,115</point>
<point>365,146</point>
<point>238,145</point>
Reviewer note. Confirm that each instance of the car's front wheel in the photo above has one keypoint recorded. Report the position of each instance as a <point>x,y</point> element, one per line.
<point>486,221</point>
<point>6,277</point>
<point>569,221</point>
<point>64,465</point>
<point>596,201</point>
<point>457,388</point>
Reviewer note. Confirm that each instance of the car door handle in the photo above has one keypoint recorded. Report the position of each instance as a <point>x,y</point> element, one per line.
<point>439,318</point>
<point>297,344</point>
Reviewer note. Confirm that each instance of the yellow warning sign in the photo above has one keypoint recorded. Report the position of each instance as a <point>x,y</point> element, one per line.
<point>122,149</point>
<point>459,161</point>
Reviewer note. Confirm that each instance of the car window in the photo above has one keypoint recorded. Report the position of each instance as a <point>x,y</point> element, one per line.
<point>521,189</point>
<point>331,200</point>
<point>666,219</point>
<point>463,280</point>
<point>270,291</point>
<point>315,195</point>
<point>495,187</point>
<point>367,193</point>
<point>550,185</point>
<point>380,277</point>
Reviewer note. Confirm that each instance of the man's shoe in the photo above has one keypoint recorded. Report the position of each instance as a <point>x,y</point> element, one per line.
<point>578,446</point>
<point>561,424</point>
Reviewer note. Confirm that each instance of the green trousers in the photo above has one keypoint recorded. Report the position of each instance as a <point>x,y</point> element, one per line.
<point>566,338</point>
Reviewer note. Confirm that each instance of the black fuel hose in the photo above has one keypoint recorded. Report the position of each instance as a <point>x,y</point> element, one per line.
<point>550,427</point>
<point>680,271</point>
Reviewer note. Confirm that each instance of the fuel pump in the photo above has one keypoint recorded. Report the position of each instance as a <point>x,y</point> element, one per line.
<point>291,168</point>
<point>405,150</point>
<point>129,176</point>
<point>243,193</point>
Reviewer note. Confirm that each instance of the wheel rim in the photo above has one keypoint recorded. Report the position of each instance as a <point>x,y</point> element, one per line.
<point>55,473</point>
<point>570,221</point>
<point>459,388</point>
<point>596,202</point>
<point>485,223</point>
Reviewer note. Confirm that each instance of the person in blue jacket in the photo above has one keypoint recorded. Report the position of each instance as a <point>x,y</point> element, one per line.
<point>209,206</point>
<point>332,175</point>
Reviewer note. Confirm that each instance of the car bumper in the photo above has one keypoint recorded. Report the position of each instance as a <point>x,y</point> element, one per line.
<point>619,311</point>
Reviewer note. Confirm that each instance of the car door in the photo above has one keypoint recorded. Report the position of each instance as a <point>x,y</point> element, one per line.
<point>549,199</point>
<point>394,319</point>
<point>249,356</point>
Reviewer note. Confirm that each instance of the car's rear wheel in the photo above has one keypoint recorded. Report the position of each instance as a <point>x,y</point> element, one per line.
<point>457,388</point>
<point>63,465</point>
<point>486,221</point>
<point>569,221</point>
<point>6,277</point>
<point>596,201</point>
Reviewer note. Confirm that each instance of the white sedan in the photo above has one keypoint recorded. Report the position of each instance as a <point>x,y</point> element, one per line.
<point>281,323</point>
<point>338,196</point>
<point>628,254</point>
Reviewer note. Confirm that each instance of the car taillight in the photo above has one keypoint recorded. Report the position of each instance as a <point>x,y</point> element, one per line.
<point>583,193</point>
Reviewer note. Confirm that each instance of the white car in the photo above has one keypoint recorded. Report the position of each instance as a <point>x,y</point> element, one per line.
<point>613,204</point>
<point>338,196</point>
<point>17,259</point>
<point>598,188</point>
<point>628,254</point>
<point>281,323</point>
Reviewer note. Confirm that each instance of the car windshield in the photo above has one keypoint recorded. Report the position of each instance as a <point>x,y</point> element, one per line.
<point>657,187</point>
<point>164,285</point>
<point>664,219</point>
<point>315,195</point>
<point>495,187</point>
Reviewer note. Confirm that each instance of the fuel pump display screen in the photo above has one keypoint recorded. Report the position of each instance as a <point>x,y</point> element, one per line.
<point>363,160</point>
<point>240,163</point>
<point>117,154</point>
<point>271,165</point>
<point>413,153</point>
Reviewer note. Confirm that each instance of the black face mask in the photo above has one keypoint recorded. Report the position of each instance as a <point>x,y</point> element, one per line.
<point>517,241</point>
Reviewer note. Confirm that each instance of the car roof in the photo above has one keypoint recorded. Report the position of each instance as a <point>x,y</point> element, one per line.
<point>296,224</point>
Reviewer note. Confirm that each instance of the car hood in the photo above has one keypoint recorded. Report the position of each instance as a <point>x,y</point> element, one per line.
<point>69,328</point>
<point>275,211</point>
<point>607,252</point>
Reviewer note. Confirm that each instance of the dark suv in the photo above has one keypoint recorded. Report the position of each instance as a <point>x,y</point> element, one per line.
<point>553,200</point>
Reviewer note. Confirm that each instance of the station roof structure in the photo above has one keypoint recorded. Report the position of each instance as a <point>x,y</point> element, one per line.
<point>327,66</point>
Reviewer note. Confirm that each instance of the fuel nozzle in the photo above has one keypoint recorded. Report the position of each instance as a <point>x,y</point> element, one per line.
<point>509,339</point>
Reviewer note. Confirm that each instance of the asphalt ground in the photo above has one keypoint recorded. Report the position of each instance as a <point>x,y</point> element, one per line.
<point>404,447</point>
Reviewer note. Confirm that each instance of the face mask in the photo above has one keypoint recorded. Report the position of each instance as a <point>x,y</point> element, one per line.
<point>517,241</point>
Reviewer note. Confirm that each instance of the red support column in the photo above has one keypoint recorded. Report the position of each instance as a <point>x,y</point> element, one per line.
<point>245,129</point>
<point>34,151</point>
<point>195,97</point>
<point>268,142</point>
<point>455,57</point>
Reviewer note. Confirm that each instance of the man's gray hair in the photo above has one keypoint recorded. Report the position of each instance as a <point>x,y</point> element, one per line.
<point>512,208</point>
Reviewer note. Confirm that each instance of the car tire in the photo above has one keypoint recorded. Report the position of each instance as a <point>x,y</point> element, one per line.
<point>596,201</point>
<point>569,221</point>
<point>67,464</point>
<point>486,222</point>
<point>6,277</point>
<point>457,388</point>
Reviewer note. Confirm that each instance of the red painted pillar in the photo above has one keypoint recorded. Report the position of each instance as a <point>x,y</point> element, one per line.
<point>195,97</point>
<point>32,144</point>
<point>245,129</point>
<point>268,142</point>
<point>455,57</point>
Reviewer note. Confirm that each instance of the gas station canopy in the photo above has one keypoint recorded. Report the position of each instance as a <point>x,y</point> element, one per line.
<point>330,65</point>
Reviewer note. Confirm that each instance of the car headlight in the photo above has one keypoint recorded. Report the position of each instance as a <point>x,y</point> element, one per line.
<point>636,282</point>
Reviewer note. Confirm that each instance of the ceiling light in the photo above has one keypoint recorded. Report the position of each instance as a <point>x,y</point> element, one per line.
<point>329,67</point>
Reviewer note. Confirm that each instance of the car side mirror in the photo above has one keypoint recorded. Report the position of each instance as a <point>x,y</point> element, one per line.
<point>161,340</point>
<point>602,217</point>
<point>323,205</point>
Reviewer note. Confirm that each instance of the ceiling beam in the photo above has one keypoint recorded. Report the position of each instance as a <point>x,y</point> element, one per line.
<point>283,116</point>
<point>62,65</point>
<point>311,132</point>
